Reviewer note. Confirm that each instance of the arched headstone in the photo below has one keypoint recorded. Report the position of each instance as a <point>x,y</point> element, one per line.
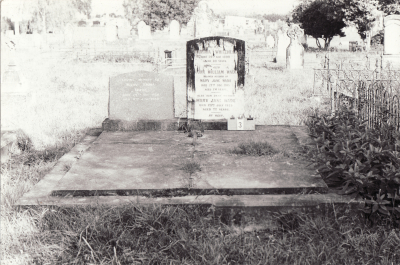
<point>144,31</point>
<point>392,35</point>
<point>174,29</point>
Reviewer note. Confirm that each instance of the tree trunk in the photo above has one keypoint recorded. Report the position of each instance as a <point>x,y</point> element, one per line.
<point>318,43</point>
<point>327,42</point>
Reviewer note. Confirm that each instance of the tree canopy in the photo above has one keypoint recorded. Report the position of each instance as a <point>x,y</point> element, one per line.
<point>83,6</point>
<point>159,13</point>
<point>320,19</point>
<point>360,13</point>
<point>389,7</point>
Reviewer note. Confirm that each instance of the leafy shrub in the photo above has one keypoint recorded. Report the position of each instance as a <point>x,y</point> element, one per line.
<point>359,160</point>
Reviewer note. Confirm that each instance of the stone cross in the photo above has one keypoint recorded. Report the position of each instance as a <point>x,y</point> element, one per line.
<point>294,33</point>
<point>295,51</point>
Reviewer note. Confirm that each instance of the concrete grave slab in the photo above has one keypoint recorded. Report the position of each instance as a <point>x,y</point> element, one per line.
<point>150,163</point>
<point>226,180</point>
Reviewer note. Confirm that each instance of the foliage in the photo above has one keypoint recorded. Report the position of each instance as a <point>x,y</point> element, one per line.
<point>359,160</point>
<point>6,24</point>
<point>389,7</point>
<point>320,19</point>
<point>84,6</point>
<point>159,13</point>
<point>361,13</point>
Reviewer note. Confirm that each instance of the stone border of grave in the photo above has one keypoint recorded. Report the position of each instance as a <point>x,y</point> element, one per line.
<point>40,195</point>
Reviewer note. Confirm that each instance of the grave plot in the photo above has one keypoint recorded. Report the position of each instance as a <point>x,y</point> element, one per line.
<point>143,151</point>
<point>171,163</point>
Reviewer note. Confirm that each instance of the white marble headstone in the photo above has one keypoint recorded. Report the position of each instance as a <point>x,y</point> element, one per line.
<point>174,29</point>
<point>283,43</point>
<point>392,35</point>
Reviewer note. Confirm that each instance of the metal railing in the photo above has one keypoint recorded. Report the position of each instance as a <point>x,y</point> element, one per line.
<point>373,92</point>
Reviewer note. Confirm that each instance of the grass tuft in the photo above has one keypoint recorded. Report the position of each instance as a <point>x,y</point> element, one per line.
<point>254,149</point>
<point>191,167</point>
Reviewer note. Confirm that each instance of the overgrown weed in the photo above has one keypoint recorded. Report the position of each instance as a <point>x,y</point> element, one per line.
<point>360,160</point>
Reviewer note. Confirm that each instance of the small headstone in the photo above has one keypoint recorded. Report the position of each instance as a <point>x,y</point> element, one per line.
<point>392,35</point>
<point>283,43</point>
<point>215,75</point>
<point>111,31</point>
<point>270,41</point>
<point>124,29</point>
<point>144,31</point>
<point>9,33</point>
<point>295,51</point>
<point>68,35</point>
<point>141,95</point>
<point>174,28</point>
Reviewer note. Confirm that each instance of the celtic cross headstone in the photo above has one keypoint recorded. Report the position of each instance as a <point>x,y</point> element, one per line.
<point>295,51</point>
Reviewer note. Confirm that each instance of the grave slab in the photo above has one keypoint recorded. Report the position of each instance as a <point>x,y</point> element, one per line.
<point>151,164</point>
<point>288,138</point>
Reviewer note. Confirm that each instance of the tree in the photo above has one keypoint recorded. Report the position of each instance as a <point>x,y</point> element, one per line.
<point>389,7</point>
<point>158,13</point>
<point>360,13</point>
<point>83,6</point>
<point>320,19</point>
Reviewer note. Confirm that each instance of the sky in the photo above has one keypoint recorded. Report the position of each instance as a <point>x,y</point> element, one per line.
<point>244,6</point>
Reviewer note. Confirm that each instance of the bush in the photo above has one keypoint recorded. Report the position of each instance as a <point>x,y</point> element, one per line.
<point>359,160</point>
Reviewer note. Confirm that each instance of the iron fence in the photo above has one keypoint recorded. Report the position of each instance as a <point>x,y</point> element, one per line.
<point>373,90</point>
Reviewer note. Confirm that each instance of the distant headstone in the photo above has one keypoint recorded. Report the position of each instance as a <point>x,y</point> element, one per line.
<point>141,95</point>
<point>215,74</point>
<point>124,29</point>
<point>11,82</point>
<point>174,28</point>
<point>144,31</point>
<point>9,33</point>
<point>270,41</point>
<point>190,28</point>
<point>295,51</point>
<point>283,43</point>
<point>68,35</point>
<point>111,31</point>
<point>203,19</point>
<point>392,35</point>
